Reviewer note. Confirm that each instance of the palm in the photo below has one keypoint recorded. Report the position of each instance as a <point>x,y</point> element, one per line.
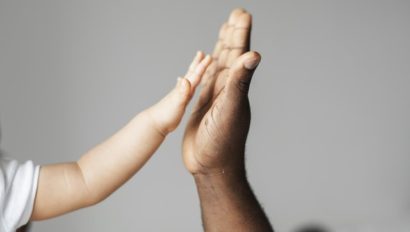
<point>216,117</point>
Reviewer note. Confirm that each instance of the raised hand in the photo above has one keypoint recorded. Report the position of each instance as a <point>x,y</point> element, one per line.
<point>69,186</point>
<point>168,112</point>
<point>215,137</point>
<point>214,141</point>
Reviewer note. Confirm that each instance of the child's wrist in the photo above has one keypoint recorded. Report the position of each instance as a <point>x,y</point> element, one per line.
<point>152,121</point>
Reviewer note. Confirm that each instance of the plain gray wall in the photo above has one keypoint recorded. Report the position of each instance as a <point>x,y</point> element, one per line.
<point>329,141</point>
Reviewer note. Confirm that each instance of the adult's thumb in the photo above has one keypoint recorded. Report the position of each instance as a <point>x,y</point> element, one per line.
<point>240,74</point>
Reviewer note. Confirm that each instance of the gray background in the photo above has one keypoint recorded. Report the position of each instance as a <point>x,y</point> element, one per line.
<point>330,133</point>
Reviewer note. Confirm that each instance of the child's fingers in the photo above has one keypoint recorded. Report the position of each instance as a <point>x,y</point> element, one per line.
<point>197,59</point>
<point>196,74</point>
<point>168,112</point>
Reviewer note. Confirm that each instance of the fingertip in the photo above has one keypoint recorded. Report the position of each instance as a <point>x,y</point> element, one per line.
<point>255,53</point>
<point>248,61</point>
<point>239,10</point>
<point>198,56</point>
<point>240,75</point>
<point>244,20</point>
<point>207,60</point>
<point>252,60</point>
<point>203,65</point>
<point>234,16</point>
<point>199,53</point>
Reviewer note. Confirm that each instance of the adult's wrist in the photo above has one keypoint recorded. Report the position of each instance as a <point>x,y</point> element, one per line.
<point>227,177</point>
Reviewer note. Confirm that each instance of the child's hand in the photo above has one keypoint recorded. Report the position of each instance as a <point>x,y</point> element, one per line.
<point>66,187</point>
<point>168,112</point>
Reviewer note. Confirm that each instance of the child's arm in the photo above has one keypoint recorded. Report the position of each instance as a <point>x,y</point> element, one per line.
<point>66,187</point>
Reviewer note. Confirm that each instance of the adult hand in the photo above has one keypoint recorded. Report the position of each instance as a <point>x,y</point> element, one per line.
<point>215,136</point>
<point>214,142</point>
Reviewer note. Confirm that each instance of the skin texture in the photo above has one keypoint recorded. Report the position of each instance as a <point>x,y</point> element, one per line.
<point>69,186</point>
<point>215,137</point>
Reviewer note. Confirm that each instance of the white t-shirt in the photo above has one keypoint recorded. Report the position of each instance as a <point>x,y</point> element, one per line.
<point>18,186</point>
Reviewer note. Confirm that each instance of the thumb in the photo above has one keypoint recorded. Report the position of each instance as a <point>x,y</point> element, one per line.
<point>168,112</point>
<point>240,75</point>
<point>181,92</point>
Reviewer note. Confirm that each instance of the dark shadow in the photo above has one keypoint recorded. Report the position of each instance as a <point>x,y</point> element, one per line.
<point>25,228</point>
<point>312,228</point>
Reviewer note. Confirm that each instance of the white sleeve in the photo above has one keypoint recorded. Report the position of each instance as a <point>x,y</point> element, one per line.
<point>18,186</point>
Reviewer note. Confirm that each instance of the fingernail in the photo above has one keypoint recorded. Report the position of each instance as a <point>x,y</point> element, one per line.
<point>251,64</point>
<point>198,54</point>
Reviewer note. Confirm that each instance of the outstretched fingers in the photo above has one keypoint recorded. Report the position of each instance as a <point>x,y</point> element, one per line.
<point>197,69</point>
<point>168,112</point>
<point>233,41</point>
<point>199,56</point>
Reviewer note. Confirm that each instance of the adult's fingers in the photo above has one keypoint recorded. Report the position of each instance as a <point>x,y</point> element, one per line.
<point>220,42</point>
<point>228,48</point>
<point>241,34</point>
<point>239,39</point>
<point>219,47</point>
<point>238,42</point>
<point>232,21</point>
